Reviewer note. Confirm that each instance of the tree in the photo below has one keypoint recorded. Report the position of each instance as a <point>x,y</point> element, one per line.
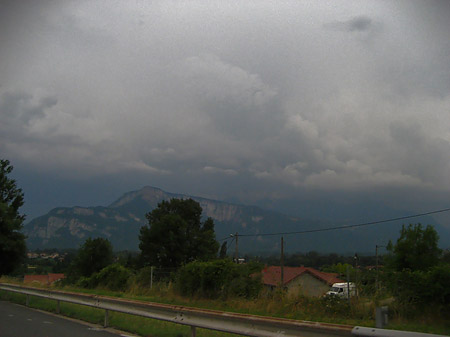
<point>175,235</point>
<point>416,249</point>
<point>12,241</point>
<point>220,279</point>
<point>415,275</point>
<point>93,256</point>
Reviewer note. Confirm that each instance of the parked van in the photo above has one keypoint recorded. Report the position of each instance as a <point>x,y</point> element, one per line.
<point>342,289</point>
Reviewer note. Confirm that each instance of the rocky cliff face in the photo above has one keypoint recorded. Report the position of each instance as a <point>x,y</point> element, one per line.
<point>152,196</point>
<point>70,227</point>
<point>120,223</point>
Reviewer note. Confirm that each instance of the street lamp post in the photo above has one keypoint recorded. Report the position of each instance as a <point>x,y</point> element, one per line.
<point>236,253</point>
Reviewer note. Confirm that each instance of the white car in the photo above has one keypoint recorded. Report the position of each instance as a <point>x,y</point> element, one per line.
<point>342,289</point>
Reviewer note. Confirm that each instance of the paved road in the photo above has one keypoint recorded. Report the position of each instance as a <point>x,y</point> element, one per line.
<point>20,321</point>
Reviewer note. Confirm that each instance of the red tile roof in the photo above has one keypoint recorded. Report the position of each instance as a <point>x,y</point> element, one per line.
<point>272,275</point>
<point>55,277</point>
<point>43,279</point>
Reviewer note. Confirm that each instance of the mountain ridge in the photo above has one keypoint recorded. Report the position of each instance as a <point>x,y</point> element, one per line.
<point>120,222</point>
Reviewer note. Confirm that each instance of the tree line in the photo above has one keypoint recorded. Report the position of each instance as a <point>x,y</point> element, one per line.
<point>184,250</point>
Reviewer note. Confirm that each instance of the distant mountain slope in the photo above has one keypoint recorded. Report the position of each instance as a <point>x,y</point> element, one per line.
<point>120,223</point>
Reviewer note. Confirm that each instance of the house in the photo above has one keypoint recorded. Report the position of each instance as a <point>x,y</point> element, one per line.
<point>299,280</point>
<point>43,279</point>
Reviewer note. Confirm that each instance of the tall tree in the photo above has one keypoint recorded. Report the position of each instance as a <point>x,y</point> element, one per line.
<point>415,249</point>
<point>93,256</point>
<point>12,241</point>
<point>175,235</point>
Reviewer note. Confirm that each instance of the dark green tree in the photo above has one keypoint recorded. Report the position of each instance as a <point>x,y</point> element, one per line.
<point>93,256</point>
<point>12,241</point>
<point>220,279</point>
<point>175,235</point>
<point>415,249</point>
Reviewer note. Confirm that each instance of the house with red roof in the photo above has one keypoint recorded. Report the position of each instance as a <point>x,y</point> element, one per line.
<point>299,280</point>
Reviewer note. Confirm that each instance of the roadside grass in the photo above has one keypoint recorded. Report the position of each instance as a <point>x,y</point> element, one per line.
<point>360,312</point>
<point>298,308</point>
<point>134,324</point>
<point>425,326</point>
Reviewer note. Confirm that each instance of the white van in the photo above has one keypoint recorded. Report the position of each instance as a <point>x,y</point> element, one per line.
<point>341,289</point>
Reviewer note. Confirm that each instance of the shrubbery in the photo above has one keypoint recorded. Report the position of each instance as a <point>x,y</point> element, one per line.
<point>416,276</point>
<point>219,278</point>
<point>420,288</point>
<point>113,277</point>
<point>144,276</point>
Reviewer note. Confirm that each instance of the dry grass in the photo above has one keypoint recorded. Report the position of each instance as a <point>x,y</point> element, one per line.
<point>359,312</point>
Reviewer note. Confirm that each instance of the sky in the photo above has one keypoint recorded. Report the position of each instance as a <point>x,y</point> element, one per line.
<point>274,103</point>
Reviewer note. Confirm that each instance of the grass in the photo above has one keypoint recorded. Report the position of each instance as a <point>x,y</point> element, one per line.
<point>300,308</point>
<point>130,323</point>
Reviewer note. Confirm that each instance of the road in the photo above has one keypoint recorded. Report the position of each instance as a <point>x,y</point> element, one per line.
<point>17,320</point>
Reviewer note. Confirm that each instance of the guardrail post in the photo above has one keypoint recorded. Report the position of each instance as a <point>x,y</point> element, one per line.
<point>27,302</point>
<point>58,308</point>
<point>381,317</point>
<point>193,331</point>
<point>106,318</point>
<point>151,277</point>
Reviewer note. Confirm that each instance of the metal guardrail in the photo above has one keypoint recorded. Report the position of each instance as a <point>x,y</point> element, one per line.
<point>242,324</point>
<point>373,332</point>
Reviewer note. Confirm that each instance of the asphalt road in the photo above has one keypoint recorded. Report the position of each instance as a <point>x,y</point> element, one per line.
<point>20,321</point>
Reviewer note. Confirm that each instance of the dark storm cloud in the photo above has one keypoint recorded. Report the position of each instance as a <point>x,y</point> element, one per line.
<point>361,23</point>
<point>356,24</point>
<point>20,109</point>
<point>229,98</point>
<point>427,156</point>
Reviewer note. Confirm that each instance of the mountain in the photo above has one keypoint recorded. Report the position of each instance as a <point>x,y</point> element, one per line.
<point>120,222</point>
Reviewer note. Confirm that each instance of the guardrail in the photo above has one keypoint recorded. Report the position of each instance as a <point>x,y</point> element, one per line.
<point>242,324</point>
<point>373,332</point>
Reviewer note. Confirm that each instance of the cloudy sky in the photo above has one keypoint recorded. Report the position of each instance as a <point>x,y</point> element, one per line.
<point>260,102</point>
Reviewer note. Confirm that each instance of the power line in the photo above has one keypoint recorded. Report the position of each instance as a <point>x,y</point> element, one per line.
<point>350,226</point>
<point>227,238</point>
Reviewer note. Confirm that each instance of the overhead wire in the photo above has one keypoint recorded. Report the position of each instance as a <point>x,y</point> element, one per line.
<point>227,238</point>
<point>346,226</point>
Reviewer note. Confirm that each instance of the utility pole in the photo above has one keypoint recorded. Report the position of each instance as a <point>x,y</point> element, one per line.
<point>356,274</point>
<point>282,263</point>
<point>348,284</point>
<point>237,248</point>
<point>376,257</point>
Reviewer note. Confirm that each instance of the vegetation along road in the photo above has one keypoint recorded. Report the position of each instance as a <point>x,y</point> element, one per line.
<point>17,320</point>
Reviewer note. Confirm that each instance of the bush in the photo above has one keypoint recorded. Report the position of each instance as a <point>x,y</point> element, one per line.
<point>113,277</point>
<point>416,289</point>
<point>220,278</point>
<point>335,306</point>
<point>144,276</point>
<point>86,282</point>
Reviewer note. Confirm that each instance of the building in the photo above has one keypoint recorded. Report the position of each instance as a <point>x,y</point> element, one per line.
<point>299,280</point>
<point>43,279</point>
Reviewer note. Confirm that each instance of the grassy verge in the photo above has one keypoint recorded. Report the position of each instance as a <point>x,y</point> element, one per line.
<point>359,313</point>
<point>134,324</point>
